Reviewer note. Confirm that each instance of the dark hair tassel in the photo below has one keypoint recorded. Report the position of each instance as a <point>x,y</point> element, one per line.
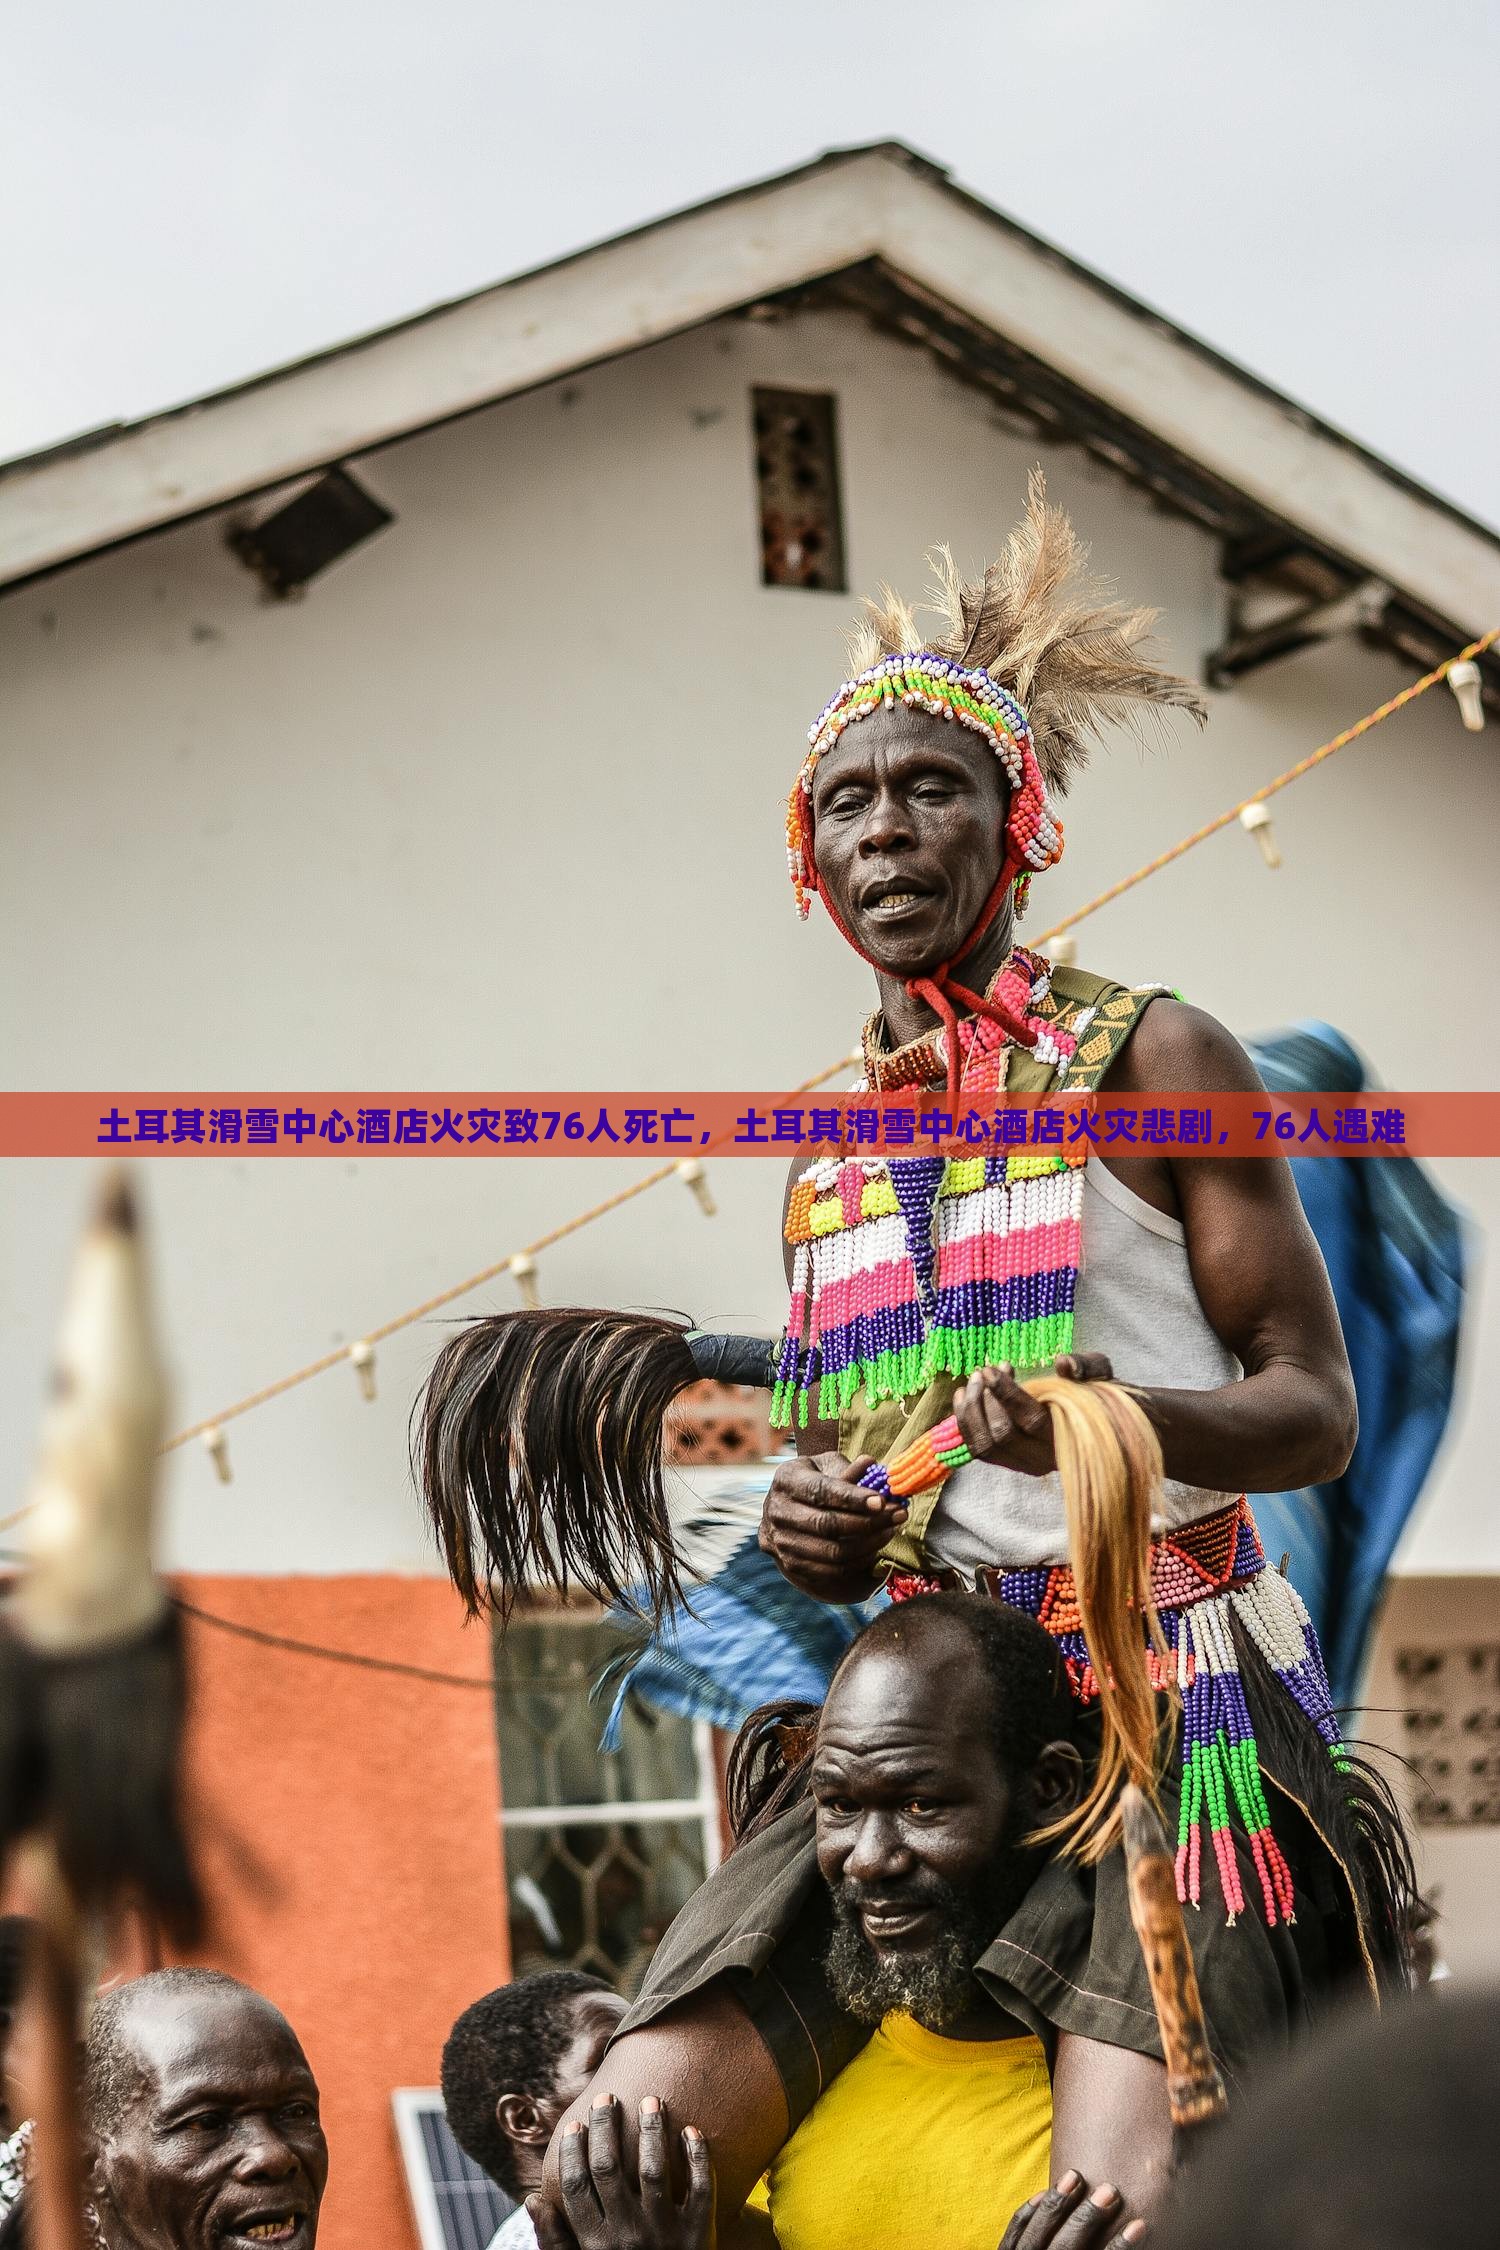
<point>537,1445</point>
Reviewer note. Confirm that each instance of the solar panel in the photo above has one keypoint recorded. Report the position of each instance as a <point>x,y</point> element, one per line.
<point>455,2204</point>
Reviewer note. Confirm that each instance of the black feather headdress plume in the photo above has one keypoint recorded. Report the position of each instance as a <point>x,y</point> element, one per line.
<point>538,1448</point>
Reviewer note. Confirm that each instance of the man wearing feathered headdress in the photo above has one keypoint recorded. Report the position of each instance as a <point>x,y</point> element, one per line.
<point>928,1294</point>
<point>922,812</point>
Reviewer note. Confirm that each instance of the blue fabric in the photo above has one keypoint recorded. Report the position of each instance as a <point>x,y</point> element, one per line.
<point>747,1638</point>
<point>1394,1248</point>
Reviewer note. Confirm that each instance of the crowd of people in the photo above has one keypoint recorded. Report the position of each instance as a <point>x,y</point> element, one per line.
<point>200,2113</point>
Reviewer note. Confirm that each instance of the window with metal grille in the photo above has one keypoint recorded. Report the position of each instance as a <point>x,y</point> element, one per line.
<point>600,1850</point>
<point>797,472</point>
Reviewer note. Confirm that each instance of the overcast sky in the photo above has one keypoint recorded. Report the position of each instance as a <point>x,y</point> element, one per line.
<point>195,190</point>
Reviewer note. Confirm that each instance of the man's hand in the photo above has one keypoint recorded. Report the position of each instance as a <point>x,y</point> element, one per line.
<point>1004,1424</point>
<point>823,1531</point>
<point>1064,2218</point>
<point>604,2210</point>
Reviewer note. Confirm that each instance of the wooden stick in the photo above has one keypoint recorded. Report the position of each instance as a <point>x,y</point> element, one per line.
<point>52,1996</point>
<point>1195,2091</point>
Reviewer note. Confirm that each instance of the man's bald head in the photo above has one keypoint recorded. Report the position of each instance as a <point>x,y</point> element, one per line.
<point>125,2021</point>
<point>201,2118</point>
<point>966,1659</point>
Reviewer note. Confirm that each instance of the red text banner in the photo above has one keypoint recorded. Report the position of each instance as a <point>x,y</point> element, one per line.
<point>665,1127</point>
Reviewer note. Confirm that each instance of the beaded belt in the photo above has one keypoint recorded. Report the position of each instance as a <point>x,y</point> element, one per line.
<point>1192,1564</point>
<point>1205,1577</point>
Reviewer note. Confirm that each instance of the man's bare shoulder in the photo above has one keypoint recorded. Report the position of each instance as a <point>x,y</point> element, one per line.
<point>1177,1047</point>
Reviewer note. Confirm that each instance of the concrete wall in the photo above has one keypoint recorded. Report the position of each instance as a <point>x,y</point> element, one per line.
<point>348,1832</point>
<point>1459,1618</point>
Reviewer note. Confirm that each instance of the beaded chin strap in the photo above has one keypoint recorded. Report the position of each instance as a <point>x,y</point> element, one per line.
<point>922,681</point>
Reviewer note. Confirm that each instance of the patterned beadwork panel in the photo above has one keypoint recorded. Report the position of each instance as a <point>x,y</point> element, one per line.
<point>797,476</point>
<point>920,1266</point>
<point>1450,1732</point>
<point>600,1850</point>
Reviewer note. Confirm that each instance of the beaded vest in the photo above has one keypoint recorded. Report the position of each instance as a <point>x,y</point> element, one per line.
<point>912,1273</point>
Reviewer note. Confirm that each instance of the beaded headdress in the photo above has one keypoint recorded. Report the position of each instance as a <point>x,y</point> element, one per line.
<point>923,680</point>
<point>1035,657</point>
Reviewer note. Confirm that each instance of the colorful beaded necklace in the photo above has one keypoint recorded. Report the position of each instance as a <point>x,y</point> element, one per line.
<point>905,1268</point>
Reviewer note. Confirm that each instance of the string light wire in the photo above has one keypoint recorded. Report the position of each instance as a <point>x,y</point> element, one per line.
<point>663,1172</point>
<point>286,1643</point>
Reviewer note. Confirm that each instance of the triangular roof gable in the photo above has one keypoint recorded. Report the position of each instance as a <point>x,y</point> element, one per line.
<point>880,207</point>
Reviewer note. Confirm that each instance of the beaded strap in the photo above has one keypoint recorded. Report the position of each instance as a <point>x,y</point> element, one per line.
<point>929,1461</point>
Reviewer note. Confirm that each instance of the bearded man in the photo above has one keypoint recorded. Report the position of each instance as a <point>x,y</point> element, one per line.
<point>918,1963</point>
<point>947,1738</point>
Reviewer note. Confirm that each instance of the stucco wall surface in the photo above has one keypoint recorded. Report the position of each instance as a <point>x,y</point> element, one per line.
<point>349,1839</point>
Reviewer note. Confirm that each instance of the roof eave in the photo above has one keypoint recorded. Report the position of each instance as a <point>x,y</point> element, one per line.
<point>877,203</point>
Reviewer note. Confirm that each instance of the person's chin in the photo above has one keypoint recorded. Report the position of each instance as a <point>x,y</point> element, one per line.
<point>904,954</point>
<point>910,932</point>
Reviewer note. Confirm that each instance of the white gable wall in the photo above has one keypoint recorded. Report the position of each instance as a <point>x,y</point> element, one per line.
<point>500,805</point>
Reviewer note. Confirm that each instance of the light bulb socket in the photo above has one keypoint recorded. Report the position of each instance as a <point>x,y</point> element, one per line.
<point>693,1175</point>
<point>1467,683</point>
<point>362,1360</point>
<point>1256,822</point>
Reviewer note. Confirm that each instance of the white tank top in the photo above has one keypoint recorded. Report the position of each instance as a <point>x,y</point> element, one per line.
<point>1136,1301</point>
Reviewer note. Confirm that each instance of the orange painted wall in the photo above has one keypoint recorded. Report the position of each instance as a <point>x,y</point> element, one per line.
<point>367,1901</point>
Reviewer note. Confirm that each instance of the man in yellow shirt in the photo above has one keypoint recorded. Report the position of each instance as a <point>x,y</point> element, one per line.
<point>947,1739</point>
<point>610,2201</point>
<point>890,1872</point>
<point>942,2125</point>
<point>942,2137</point>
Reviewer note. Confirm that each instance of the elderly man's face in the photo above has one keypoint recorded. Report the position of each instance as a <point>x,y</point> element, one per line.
<point>219,2145</point>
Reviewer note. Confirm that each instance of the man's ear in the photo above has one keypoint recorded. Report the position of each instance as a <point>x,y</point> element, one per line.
<point>521,2121</point>
<point>96,2196</point>
<point>1056,1780</point>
